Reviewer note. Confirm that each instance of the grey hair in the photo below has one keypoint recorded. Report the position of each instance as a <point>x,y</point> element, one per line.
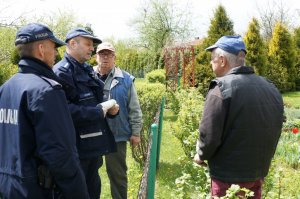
<point>233,60</point>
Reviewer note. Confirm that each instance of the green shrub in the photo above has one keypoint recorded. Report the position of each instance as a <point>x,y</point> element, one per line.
<point>150,96</point>
<point>156,76</point>
<point>194,182</point>
<point>187,124</point>
<point>6,71</point>
<point>172,102</point>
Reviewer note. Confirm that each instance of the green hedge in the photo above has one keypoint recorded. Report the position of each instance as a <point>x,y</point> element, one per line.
<point>6,71</point>
<point>186,127</point>
<point>150,96</point>
<point>156,76</point>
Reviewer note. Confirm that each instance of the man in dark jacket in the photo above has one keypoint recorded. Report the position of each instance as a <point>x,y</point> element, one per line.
<point>241,122</point>
<point>85,93</point>
<point>37,136</point>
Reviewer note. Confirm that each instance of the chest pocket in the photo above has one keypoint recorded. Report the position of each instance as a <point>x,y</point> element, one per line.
<point>89,91</point>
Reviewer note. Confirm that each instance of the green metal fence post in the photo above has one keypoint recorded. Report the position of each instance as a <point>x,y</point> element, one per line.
<point>152,167</point>
<point>178,80</point>
<point>161,115</point>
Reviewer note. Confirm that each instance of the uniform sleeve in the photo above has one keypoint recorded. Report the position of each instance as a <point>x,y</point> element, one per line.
<point>135,112</point>
<point>79,113</point>
<point>56,143</point>
<point>211,125</point>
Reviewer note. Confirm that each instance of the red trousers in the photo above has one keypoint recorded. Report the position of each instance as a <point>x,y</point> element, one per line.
<point>218,188</point>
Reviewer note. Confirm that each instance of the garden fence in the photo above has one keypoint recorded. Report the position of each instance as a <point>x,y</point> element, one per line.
<point>147,185</point>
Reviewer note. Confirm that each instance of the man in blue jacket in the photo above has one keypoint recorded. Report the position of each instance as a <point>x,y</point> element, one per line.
<point>85,93</point>
<point>127,125</point>
<point>37,135</point>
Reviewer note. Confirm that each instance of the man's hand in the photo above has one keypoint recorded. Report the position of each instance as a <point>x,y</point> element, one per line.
<point>114,110</point>
<point>134,140</point>
<point>108,105</point>
<point>198,161</point>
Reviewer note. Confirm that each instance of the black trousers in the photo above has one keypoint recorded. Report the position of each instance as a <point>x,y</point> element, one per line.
<point>90,167</point>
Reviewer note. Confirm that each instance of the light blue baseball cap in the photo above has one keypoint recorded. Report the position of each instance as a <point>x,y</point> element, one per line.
<point>231,44</point>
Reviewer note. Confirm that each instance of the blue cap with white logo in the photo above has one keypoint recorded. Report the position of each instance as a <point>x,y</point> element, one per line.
<point>36,32</point>
<point>82,33</point>
<point>231,44</point>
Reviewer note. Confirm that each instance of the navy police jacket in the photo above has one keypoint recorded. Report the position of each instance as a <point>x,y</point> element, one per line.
<point>36,128</point>
<point>84,90</point>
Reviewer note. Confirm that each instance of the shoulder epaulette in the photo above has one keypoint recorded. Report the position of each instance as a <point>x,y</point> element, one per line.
<point>213,83</point>
<point>65,67</point>
<point>52,82</point>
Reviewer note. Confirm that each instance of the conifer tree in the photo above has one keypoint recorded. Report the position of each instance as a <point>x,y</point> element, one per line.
<point>296,38</point>
<point>256,50</point>
<point>282,59</point>
<point>220,25</point>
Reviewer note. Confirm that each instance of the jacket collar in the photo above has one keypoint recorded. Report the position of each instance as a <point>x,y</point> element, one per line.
<point>117,72</point>
<point>74,61</point>
<point>241,70</point>
<point>36,66</point>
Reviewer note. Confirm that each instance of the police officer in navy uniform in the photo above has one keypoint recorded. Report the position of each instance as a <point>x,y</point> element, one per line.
<point>85,93</point>
<point>36,127</point>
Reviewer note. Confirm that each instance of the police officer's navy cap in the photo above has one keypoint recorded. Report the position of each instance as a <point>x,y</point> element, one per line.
<point>82,33</point>
<point>36,32</point>
<point>231,44</point>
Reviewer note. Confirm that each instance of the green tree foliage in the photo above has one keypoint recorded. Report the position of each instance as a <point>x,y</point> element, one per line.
<point>134,60</point>
<point>220,25</point>
<point>282,59</point>
<point>60,23</point>
<point>296,38</point>
<point>7,38</point>
<point>160,23</point>
<point>273,12</point>
<point>256,50</point>
<point>131,61</point>
<point>7,49</point>
<point>6,71</point>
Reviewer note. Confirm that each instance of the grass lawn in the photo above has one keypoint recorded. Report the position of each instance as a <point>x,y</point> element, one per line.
<point>292,99</point>
<point>134,176</point>
<point>169,167</point>
<point>168,171</point>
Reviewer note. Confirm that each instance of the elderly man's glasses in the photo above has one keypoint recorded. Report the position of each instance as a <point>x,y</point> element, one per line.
<point>108,55</point>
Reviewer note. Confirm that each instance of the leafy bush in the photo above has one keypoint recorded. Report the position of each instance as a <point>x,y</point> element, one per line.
<point>7,38</point>
<point>172,102</point>
<point>6,71</point>
<point>187,124</point>
<point>156,76</point>
<point>150,96</point>
<point>194,182</point>
<point>236,192</point>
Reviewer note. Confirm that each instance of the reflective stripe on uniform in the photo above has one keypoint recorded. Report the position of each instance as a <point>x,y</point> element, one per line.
<point>91,135</point>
